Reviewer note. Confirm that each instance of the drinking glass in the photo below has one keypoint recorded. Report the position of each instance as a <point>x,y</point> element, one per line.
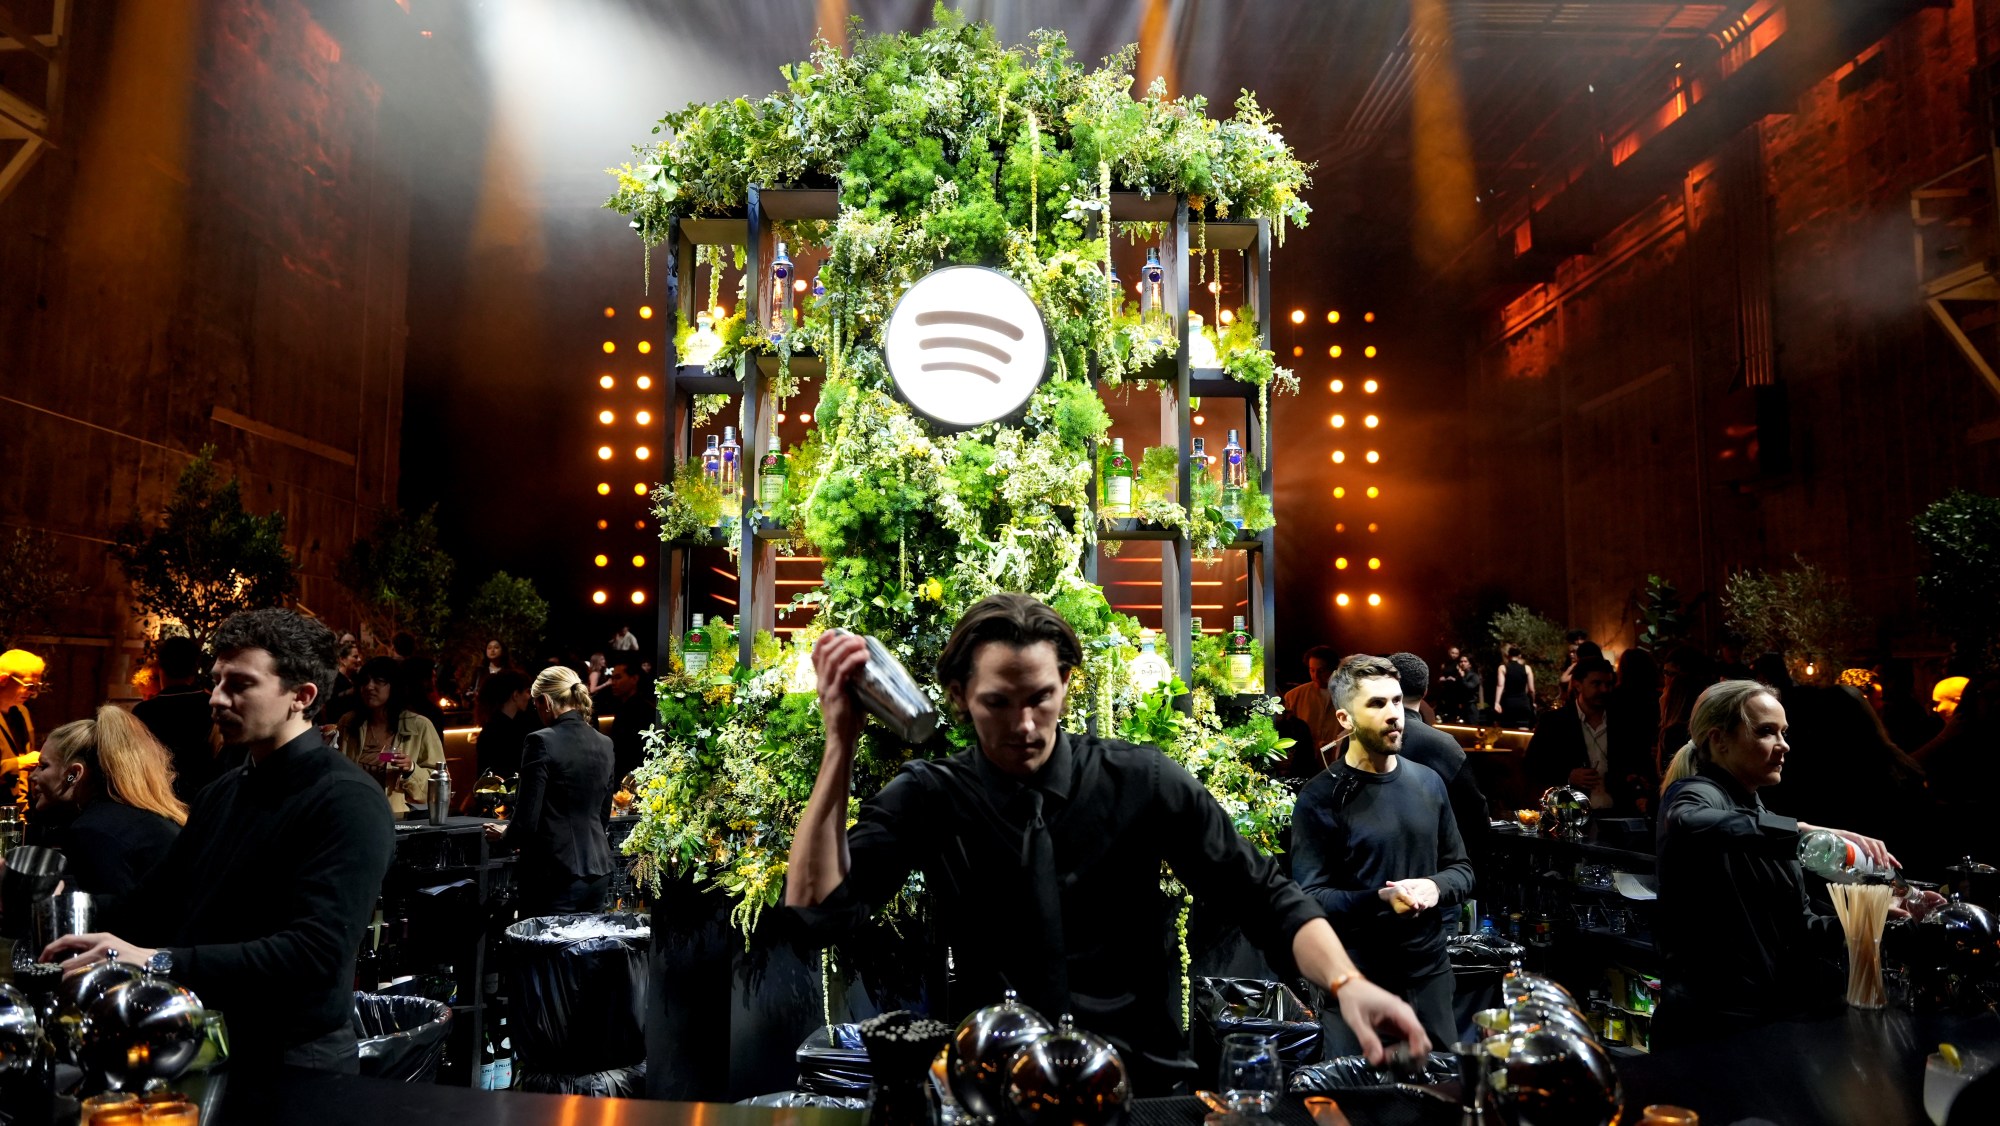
<point>1252,1075</point>
<point>1943,1082</point>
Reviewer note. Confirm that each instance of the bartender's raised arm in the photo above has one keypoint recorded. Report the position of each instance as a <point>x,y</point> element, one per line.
<point>819,860</point>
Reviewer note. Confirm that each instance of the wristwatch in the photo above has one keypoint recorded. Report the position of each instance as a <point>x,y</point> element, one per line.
<point>160,964</point>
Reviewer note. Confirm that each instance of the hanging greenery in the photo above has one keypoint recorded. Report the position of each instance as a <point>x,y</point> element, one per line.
<point>945,147</point>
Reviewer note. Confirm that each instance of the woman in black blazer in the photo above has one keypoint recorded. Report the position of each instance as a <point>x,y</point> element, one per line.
<point>104,795</point>
<point>562,809</point>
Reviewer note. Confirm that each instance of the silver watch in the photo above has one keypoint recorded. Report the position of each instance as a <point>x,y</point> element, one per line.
<point>161,963</point>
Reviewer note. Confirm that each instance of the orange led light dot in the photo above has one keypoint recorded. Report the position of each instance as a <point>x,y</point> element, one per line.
<point>602,561</point>
<point>645,312</point>
<point>645,346</point>
<point>602,525</point>
<point>1371,422</point>
<point>606,417</point>
<point>1339,491</point>
<point>606,382</point>
<point>1200,421</point>
<point>638,598</point>
<point>610,347</point>
<point>645,382</point>
<point>1215,287</point>
<point>1374,456</point>
<point>1340,527</point>
<point>1333,316</point>
<point>604,453</point>
<point>604,488</point>
<point>720,313</point>
<point>1340,599</point>
<point>1369,351</point>
<point>799,286</point>
<point>1373,492</point>
<point>1338,421</point>
<point>1333,351</point>
<point>1370,386</point>
<point>1298,316</point>
<point>1336,386</point>
<point>1339,564</point>
<point>1369,317</point>
<point>1339,456</point>
<point>638,561</point>
<point>1228,318</point>
<point>610,312</point>
<point>638,525</point>
<point>599,597</point>
<point>645,418</point>
<point>639,489</point>
<point>1373,527</point>
<point>642,453</point>
<point>1374,564</point>
<point>1374,600</point>
<point>1298,349</point>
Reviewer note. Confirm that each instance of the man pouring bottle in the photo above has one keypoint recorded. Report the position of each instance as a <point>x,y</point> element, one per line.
<point>1042,849</point>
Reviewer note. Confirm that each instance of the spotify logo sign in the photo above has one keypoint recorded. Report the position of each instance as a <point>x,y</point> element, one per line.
<point>966,345</point>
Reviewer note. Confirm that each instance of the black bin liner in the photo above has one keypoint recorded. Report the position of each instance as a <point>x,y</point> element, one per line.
<point>1219,1006</point>
<point>1354,1073</point>
<point>795,1099</point>
<point>402,1038</point>
<point>615,1083</point>
<point>832,1061</point>
<point>579,1004</point>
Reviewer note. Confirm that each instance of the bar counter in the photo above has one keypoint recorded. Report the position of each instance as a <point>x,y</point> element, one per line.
<point>1850,1068</point>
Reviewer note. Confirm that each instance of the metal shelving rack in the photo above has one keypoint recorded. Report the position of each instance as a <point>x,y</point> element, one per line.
<point>1181,385</point>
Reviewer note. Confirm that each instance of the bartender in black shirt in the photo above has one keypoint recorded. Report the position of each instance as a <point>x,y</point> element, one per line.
<point>1374,840</point>
<point>259,905</point>
<point>1042,848</point>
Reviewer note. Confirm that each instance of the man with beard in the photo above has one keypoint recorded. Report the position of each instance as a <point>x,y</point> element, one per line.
<point>260,904</point>
<point>1375,844</point>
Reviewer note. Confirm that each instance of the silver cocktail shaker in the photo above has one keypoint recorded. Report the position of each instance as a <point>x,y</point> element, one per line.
<point>890,694</point>
<point>438,794</point>
<point>64,913</point>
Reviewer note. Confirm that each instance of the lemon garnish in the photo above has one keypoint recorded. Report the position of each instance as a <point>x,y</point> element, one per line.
<point>1951,1057</point>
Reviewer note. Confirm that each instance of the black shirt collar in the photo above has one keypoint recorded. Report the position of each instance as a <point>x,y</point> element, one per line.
<point>1737,792</point>
<point>287,757</point>
<point>1057,777</point>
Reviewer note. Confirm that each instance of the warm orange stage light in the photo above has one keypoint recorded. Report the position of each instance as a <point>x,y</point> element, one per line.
<point>598,597</point>
<point>604,488</point>
<point>606,382</point>
<point>602,561</point>
<point>604,453</point>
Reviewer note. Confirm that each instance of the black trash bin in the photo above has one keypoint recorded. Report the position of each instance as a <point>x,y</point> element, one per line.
<point>402,1038</point>
<point>1219,1006</point>
<point>833,1062</point>
<point>578,987</point>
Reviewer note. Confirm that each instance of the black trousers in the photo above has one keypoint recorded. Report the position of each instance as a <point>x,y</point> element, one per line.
<point>1430,996</point>
<point>558,897</point>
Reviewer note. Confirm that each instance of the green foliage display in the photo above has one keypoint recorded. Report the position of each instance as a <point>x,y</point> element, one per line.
<point>207,556</point>
<point>946,148</point>
<point>1801,613</point>
<point>508,609</point>
<point>1662,618</point>
<point>1961,534</point>
<point>1540,641</point>
<point>400,577</point>
<point>34,583</point>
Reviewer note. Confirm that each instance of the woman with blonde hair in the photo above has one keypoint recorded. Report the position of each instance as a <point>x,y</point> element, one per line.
<point>562,809</point>
<point>104,795</point>
<point>1740,943</point>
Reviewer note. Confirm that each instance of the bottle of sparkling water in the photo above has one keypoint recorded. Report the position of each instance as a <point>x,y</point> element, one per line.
<point>1149,670</point>
<point>711,461</point>
<point>1118,481</point>
<point>694,648</point>
<point>731,478</point>
<point>1233,477</point>
<point>1837,860</point>
<point>772,469</point>
<point>1242,661</point>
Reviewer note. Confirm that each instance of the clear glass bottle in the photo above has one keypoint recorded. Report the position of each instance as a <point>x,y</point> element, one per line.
<point>735,630</point>
<point>781,293</point>
<point>702,343</point>
<point>1118,481</point>
<point>1149,670</point>
<point>730,474</point>
<point>1242,657</point>
<point>695,648</point>
<point>1153,299</point>
<point>1234,475</point>
<point>1201,346</point>
<point>711,461</point>
<point>772,469</point>
<point>1199,463</point>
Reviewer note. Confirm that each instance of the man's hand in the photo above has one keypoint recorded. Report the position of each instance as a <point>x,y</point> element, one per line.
<point>89,948</point>
<point>1409,895</point>
<point>1366,1007</point>
<point>494,830</point>
<point>837,658</point>
<point>1915,904</point>
<point>1585,779</point>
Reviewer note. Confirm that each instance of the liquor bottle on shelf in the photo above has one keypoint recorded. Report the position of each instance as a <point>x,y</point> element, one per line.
<point>1153,301</point>
<point>1234,474</point>
<point>1149,670</point>
<point>781,293</point>
<point>1201,347</point>
<point>735,630</point>
<point>1118,481</point>
<point>731,475</point>
<point>694,648</point>
<point>1199,463</point>
<point>1242,662</point>
<point>711,461</point>
<point>702,343</point>
<point>772,469</point>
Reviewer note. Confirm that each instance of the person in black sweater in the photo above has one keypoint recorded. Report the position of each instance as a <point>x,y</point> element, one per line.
<point>563,808</point>
<point>1427,745</point>
<point>634,709</point>
<point>260,904</point>
<point>510,716</point>
<point>179,718</point>
<point>104,796</point>
<point>1375,843</point>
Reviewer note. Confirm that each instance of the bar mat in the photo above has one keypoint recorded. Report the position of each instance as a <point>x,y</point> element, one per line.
<point>1363,1108</point>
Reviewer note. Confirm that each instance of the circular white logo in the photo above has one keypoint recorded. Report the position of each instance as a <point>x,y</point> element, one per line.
<point>966,345</point>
